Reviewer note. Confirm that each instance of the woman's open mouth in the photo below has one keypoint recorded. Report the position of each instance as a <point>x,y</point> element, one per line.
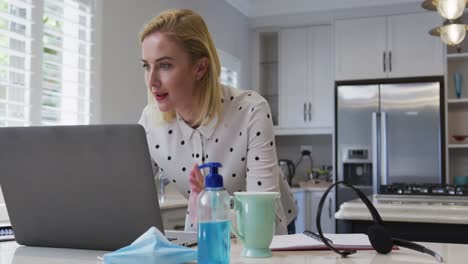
<point>160,96</point>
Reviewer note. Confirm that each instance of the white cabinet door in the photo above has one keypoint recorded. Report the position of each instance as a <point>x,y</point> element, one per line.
<point>174,218</point>
<point>328,212</point>
<point>360,46</point>
<point>320,111</point>
<point>302,213</point>
<point>411,50</point>
<point>293,77</point>
<point>306,90</point>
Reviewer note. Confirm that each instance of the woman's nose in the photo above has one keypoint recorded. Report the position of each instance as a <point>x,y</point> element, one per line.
<point>155,82</point>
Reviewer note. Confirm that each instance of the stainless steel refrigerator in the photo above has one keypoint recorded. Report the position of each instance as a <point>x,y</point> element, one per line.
<point>388,133</point>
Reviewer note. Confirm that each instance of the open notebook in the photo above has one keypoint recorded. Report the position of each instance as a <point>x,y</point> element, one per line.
<point>304,242</point>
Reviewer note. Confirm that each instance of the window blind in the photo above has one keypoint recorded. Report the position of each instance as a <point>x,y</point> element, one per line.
<point>61,88</point>
<point>66,62</point>
<point>15,61</point>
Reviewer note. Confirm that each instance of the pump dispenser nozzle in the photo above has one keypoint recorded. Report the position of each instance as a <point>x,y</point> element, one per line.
<point>213,179</point>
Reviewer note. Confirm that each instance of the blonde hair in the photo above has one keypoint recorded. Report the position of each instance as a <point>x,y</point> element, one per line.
<point>189,29</point>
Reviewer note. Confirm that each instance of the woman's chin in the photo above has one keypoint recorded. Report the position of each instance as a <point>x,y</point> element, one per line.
<point>164,107</point>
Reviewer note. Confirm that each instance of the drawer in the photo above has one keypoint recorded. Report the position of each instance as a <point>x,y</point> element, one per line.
<point>174,218</point>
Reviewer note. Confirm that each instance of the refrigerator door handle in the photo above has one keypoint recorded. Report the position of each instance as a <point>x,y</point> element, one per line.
<point>390,61</point>
<point>383,59</point>
<point>305,108</point>
<point>310,112</point>
<point>384,160</point>
<point>375,154</point>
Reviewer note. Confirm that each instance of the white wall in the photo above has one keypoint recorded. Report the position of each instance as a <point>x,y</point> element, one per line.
<point>288,147</point>
<point>122,93</point>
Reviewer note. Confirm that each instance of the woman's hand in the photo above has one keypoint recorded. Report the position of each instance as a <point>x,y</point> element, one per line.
<point>196,179</point>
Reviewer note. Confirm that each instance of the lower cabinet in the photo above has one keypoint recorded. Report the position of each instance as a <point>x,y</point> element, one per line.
<point>302,211</point>
<point>307,201</point>
<point>174,218</point>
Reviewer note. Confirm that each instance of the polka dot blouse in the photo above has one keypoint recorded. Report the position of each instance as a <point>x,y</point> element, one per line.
<point>243,141</point>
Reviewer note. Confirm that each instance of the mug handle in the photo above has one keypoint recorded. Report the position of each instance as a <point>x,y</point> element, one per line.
<point>237,207</point>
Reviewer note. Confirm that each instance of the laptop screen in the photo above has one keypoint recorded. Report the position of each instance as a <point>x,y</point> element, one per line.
<point>89,187</point>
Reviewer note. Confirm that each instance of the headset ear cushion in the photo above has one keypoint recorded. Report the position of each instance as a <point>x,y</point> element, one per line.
<point>380,239</point>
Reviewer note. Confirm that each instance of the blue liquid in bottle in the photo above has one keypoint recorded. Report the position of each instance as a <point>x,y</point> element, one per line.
<point>214,226</point>
<point>214,242</point>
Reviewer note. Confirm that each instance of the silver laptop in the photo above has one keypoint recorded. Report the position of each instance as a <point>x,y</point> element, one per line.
<point>88,187</point>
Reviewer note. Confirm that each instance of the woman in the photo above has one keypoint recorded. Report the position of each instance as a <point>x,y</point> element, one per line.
<point>196,119</point>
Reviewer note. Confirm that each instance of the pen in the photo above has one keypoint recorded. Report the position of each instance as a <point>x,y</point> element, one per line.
<point>316,236</point>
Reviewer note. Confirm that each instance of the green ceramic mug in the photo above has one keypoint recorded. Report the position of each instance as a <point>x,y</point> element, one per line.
<point>255,222</point>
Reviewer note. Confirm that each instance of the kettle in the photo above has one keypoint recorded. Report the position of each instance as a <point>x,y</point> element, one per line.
<point>288,169</point>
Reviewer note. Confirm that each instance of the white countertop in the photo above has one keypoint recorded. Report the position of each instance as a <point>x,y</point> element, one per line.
<point>310,189</point>
<point>409,208</point>
<point>11,252</point>
<point>312,186</point>
<point>172,199</point>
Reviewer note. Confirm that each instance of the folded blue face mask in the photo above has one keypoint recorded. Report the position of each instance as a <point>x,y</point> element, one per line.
<point>151,247</point>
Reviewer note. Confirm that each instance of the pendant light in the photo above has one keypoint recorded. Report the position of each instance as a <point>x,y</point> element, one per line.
<point>449,9</point>
<point>452,32</point>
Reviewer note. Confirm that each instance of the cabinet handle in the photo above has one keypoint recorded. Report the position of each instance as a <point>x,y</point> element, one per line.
<point>390,61</point>
<point>329,208</point>
<point>310,112</point>
<point>179,227</point>
<point>305,108</point>
<point>384,55</point>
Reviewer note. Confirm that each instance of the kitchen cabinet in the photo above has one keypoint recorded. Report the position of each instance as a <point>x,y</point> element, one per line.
<point>295,76</point>
<point>302,212</point>
<point>328,211</point>
<point>388,47</point>
<point>307,201</point>
<point>174,218</point>
<point>305,79</point>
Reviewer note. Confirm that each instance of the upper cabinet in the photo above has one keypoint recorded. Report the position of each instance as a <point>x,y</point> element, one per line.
<point>295,75</point>
<point>360,48</point>
<point>306,79</point>
<point>388,47</point>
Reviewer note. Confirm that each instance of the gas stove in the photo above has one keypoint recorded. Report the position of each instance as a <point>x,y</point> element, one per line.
<point>424,189</point>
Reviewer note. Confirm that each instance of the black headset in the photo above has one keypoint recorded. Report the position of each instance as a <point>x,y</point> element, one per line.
<point>379,236</point>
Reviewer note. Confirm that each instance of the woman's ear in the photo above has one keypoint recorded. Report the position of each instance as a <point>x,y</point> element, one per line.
<point>201,67</point>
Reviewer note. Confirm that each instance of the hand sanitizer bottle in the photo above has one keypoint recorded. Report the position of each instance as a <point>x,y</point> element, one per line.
<point>214,226</point>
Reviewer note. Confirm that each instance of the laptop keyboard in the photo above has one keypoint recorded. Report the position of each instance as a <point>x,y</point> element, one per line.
<point>6,233</point>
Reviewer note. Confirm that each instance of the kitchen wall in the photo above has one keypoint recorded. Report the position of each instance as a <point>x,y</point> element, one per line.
<point>288,147</point>
<point>120,94</point>
<point>328,16</point>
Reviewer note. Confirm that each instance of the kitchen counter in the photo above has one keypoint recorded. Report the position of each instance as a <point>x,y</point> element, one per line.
<point>311,189</point>
<point>12,253</point>
<point>409,208</point>
<point>311,185</point>
<point>411,217</point>
<point>172,199</point>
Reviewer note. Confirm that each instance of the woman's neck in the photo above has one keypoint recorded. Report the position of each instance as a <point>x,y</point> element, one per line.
<point>189,117</point>
<point>189,113</point>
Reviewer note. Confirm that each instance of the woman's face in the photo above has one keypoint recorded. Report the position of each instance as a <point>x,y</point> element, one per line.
<point>170,74</point>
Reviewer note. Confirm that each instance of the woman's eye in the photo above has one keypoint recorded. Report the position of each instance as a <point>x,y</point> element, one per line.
<point>146,66</point>
<point>165,66</point>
